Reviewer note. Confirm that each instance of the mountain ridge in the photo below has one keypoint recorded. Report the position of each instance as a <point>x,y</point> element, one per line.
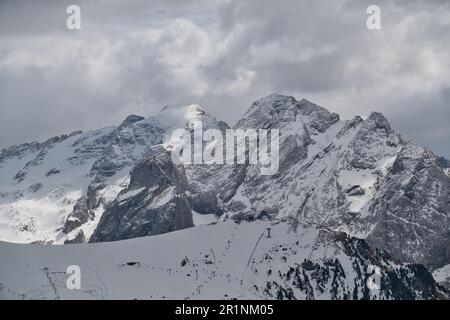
<point>344,168</point>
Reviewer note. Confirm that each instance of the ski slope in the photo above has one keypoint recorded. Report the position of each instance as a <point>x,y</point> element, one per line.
<point>223,260</point>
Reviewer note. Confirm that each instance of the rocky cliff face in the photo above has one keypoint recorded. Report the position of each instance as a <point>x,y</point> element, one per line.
<point>411,209</point>
<point>155,201</point>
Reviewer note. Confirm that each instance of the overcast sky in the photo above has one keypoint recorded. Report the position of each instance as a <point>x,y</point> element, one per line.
<point>137,56</point>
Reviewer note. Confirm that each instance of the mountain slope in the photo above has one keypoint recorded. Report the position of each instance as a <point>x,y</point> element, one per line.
<point>222,261</point>
<point>356,176</point>
<point>41,183</point>
<point>57,191</point>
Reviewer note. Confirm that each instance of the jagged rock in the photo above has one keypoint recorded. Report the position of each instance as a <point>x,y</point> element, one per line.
<point>243,216</point>
<point>355,191</point>
<point>35,187</point>
<point>155,201</point>
<point>412,206</point>
<point>80,215</point>
<point>52,171</point>
<point>130,119</point>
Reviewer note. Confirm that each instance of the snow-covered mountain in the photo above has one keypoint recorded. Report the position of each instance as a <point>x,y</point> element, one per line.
<point>226,260</point>
<point>57,191</point>
<point>355,176</point>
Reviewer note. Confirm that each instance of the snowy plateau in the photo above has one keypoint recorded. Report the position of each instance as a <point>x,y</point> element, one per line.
<point>349,194</point>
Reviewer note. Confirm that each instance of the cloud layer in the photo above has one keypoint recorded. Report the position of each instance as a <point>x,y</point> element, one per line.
<point>136,56</point>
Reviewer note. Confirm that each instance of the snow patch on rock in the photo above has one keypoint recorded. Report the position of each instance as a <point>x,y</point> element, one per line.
<point>447,171</point>
<point>203,219</point>
<point>164,197</point>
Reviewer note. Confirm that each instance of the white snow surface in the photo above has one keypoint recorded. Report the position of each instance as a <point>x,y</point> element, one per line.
<point>223,261</point>
<point>202,219</point>
<point>442,275</point>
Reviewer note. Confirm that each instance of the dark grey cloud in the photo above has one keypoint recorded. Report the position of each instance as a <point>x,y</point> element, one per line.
<point>136,56</point>
<point>423,118</point>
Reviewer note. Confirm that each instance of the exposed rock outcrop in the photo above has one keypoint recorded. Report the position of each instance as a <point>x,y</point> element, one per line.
<point>155,201</point>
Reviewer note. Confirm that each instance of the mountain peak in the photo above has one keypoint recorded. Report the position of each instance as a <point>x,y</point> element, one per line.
<point>276,98</point>
<point>273,101</point>
<point>131,119</point>
<point>191,108</point>
<point>183,116</point>
<point>379,120</point>
<point>182,113</point>
<point>306,101</point>
<point>277,109</point>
